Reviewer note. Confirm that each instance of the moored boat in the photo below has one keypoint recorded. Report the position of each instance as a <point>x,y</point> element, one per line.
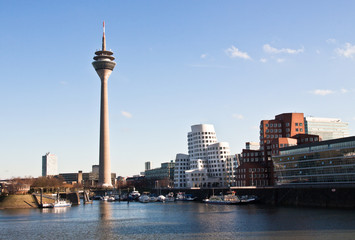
<point>247,199</point>
<point>170,197</point>
<point>134,195</point>
<point>61,203</point>
<point>161,198</point>
<point>144,198</point>
<point>223,199</point>
<point>181,196</point>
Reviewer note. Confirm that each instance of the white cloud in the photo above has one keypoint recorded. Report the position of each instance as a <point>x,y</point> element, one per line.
<point>318,51</point>
<point>234,52</point>
<point>63,82</point>
<point>126,114</point>
<point>343,90</point>
<point>331,41</point>
<point>238,116</point>
<point>203,55</point>
<point>348,51</point>
<point>268,49</point>
<point>263,60</point>
<point>322,92</point>
<point>280,60</point>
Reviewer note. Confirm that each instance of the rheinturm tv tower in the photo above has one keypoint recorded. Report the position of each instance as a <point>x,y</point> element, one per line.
<point>104,65</point>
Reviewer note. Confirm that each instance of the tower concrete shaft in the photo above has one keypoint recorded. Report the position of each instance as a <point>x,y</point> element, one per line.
<point>104,66</point>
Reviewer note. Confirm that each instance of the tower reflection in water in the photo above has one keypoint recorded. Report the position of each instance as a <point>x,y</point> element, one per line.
<point>105,226</point>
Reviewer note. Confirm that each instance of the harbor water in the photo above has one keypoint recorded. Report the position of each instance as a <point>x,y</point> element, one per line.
<point>177,220</point>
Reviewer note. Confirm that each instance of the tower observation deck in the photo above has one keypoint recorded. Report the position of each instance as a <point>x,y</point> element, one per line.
<point>104,65</point>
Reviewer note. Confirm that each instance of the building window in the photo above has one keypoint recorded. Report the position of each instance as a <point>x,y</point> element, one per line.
<point>296,124</point>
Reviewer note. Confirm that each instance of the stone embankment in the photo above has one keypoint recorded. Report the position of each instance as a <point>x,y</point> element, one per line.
<point>18,201</point>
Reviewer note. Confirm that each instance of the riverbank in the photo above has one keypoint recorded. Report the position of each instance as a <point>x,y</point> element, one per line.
<point>17,201</point>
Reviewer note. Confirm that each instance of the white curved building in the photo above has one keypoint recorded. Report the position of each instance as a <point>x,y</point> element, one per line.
<point>182,164</point>
<point>217,162</point>
<point>211,164</point>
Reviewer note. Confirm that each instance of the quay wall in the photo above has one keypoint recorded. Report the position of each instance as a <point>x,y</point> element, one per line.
<point>73,197</point>
<point>325,197</point>
<point>18,201</point>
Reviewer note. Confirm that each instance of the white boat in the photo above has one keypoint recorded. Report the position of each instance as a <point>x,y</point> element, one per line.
<point>104,198</point>
<point>144,199</point>
<point>170,197</point>
<point>153,199</point>
<point>247,199</point>
<point>189,198</point>
<point>111,199</point>
<point>181,196</point>
<point>134,195</point>
<point>61,203</point>
<point>47,205</point>
<point>226,199</point>
<point>161,198</point>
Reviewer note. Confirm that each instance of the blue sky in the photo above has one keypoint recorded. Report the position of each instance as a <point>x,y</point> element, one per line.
<point>179,63</point>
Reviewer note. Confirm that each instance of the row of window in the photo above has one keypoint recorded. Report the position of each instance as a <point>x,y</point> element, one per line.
<point>260,183</point>
<point>242,176</point>
<point>252,160</point>
<point>201,133</point>
<point>252,154</point>
<point>276,130</point>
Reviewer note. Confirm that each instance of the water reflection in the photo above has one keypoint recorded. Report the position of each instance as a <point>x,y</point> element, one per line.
<point>105,225</point>
<point>106,220</point>
<point>57,210</point>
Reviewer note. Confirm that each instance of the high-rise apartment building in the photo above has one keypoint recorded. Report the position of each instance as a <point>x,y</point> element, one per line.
<point>326,128</point>
<point>182,164</point>
<point>49,165</point>
<point>210,160</point>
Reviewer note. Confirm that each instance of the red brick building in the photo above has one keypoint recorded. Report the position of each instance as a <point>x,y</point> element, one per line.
<point>287,129</point>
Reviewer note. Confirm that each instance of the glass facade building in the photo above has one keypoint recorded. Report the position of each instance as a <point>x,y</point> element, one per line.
<point>325,162</point>
<point>326,128</point>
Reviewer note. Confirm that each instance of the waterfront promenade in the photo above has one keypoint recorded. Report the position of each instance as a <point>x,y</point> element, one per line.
<point>179,220</point>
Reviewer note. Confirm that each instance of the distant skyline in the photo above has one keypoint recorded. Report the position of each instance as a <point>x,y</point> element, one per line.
<point>179,63</point>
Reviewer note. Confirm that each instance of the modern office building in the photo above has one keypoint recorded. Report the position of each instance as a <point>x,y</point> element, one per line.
<point>210,161</point>
<point>49,165</point>
<point>165,171</point>
<point>104,66</point>
<point>326,128</point>
<point>182,164</point>
<point>147,165</point>
<point>284,125</point>
<point>325,162</point>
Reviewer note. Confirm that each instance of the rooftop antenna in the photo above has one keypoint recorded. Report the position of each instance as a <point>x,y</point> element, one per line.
<point>103,38</point>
